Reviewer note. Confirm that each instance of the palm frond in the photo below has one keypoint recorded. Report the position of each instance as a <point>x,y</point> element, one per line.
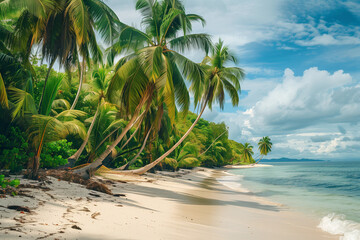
<point>106,21</point>
<point>168,21</point>
<point>181,92</point>
<point>131,38</point>
<point>3,95</point>
<point>77,12</point>
<point>50,93</point>
<point>23,101</point>
<point>190,42</point>
<point>189,69</point>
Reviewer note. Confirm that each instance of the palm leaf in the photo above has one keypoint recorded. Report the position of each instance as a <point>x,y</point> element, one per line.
<point>23,101</point>
<point>51,90</point>
<point>106,21</point>
<point>3,96</point>
<point>190,42</point>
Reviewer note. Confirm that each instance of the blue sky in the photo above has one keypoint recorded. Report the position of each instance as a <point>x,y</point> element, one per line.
<point>303,78</point>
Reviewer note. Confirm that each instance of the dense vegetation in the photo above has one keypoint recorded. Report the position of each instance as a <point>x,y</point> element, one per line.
<point>130,114</point>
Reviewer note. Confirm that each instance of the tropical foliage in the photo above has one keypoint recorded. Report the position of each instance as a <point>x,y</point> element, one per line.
<point>132,113</point>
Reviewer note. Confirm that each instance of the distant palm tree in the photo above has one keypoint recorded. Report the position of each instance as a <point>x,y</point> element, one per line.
<point>247,152</point>
<point>265,145</point>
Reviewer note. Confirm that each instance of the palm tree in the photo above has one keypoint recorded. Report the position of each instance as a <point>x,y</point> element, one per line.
<point>187,156</point>
<point>215,141</point>
<point>218,79</point>
<point>45,129</point>
<point>153,64</point>
<point>84,18</point>
<point>247,152</point>
<point>45,124</point>
<point>157,123</point>
<point>18,23</point>
<point>265,145</point>
<point>100,83</point>
<point>64,29</point>
<point>218,151</point>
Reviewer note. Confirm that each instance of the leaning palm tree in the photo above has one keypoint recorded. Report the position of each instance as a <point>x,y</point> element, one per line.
<point>247,152</point>
<point>153,64</point>
<point>215,141</point>
<point>99,85</point>
<point>265,145</point>
<point>218,79</point>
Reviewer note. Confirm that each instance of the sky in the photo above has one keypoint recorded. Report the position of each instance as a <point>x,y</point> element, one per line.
<point>302,64</point>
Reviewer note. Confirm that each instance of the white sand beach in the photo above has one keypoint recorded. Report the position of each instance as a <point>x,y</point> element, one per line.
<point>193,206</point>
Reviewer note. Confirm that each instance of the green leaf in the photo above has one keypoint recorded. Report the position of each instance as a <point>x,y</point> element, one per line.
<point>50,93</point>
<point>3,96</point>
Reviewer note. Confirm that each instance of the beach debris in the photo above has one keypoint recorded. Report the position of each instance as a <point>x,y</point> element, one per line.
<point>69,176</point>
<point>94,215</point>
<point>106,181</point>
<point>119,195</point>
<point>19,208</point>
<point>100,187</point>
<point>76,227</point>
<point>38,186</point>
<point>85,209</point>
<point>94,195</point>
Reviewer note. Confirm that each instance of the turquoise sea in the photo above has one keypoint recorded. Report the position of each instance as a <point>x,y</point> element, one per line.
<point>329,190</point>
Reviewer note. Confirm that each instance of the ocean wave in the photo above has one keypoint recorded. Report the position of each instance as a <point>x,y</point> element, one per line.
<point>337,225</point>
<point>233,182</point>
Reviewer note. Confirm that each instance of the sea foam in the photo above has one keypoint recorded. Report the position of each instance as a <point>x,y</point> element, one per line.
<point>338,225</point>
<point>233,182</point>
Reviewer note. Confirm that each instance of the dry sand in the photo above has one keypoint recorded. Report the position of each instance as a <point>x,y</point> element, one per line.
<point>193,206</point>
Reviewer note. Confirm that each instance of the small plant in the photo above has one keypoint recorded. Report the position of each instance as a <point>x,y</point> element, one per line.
<point>6,182</point>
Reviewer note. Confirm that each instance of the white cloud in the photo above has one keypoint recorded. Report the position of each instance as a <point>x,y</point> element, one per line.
<point>326,39</point>
<point>309,114</point>
<point>301,101</point>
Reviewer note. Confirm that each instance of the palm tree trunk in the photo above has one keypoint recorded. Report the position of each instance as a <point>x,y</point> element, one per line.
<point>212,143</point>
<point>127,165</point>
<point>76,156</point>
<point>82,72</point>
<point>109,135</point>
<point>34,173</point>
<point>87,171</point>
<point>46,79</point>
<point>146,168</point>
<point>131,137</point>
<point>35,168</point>
<point>260,159</point>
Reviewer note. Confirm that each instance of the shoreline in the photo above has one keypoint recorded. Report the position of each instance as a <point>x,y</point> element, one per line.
<point>195,205</point>
<point>246,166</point>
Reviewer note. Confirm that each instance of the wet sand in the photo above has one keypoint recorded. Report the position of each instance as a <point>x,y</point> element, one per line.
<point>194,206</point>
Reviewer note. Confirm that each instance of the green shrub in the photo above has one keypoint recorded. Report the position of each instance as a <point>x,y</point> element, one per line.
<point>55,154</point>
<point>170,164</point>
<point>190,162</point>
<point>14,151</point>
<point>207,161</point>
<point>5,182</point>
